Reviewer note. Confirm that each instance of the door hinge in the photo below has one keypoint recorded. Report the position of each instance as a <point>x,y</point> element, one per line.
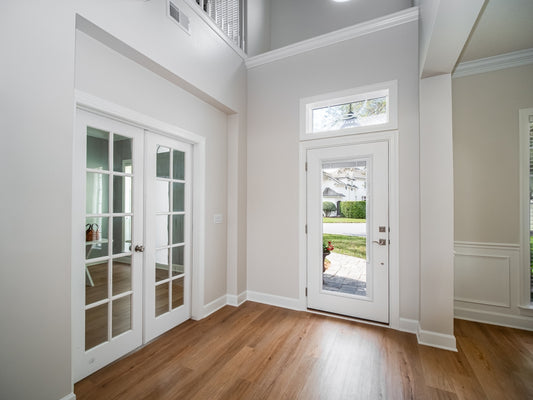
<point>305,292</point>
<point>306,166</point>
<point>306,229</point>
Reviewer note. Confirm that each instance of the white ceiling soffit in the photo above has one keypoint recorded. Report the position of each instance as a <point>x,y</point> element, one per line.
<point>504,26</point>
<point>445,36</point>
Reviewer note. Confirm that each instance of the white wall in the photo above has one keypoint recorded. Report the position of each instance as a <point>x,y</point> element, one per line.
<point>485,145</point>
<point>487,194</point>
<point>296,20</point>
<point>274,91</point>
<point>203,64</point>
<point>37,105</point>
<point>104,73</point>
<point>36,120</point>
<point>436,212</point>
<point>201,59</point>
<point>258,27</point>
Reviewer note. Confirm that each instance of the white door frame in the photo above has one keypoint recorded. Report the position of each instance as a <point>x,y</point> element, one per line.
<point>524,292</point>
<point>391,137</point>
<point>96,105</point>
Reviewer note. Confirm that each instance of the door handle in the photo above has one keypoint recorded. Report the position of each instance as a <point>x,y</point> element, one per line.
<point>381,242</point>
<point>139,248</point>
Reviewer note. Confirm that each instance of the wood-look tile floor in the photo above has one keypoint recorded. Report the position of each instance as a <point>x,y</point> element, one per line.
<point>263,352</point>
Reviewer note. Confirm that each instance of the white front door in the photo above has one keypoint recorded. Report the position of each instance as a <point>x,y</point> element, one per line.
<point>168,234</point>
<point>108,215</point>
<point>348,205</point>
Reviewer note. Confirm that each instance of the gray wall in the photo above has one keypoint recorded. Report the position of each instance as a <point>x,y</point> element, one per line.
<point>36,121</point>
<point>274,92</point>
<point>485,148</point>
<point>258,27</point>
<point>296,20</point>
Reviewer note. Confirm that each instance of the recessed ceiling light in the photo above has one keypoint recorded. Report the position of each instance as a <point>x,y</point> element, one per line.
<point>341,1</point>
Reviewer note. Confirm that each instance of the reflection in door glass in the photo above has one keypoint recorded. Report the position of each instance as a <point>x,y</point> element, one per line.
<point>344,196</point>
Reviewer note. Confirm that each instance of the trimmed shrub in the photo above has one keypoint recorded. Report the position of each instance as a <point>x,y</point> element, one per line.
<point>328,207</point>
<point>353,209</point>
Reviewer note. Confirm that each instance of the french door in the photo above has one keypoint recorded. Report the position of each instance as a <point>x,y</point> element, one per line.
<point>168,234</point>
<point>348,230</point>
<point>131,239</point>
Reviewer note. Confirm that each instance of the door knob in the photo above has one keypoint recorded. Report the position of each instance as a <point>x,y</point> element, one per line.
<point>381,242</point>
<point>139,248</point>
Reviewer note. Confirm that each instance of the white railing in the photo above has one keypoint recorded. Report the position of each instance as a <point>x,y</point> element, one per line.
<point>228,17</point>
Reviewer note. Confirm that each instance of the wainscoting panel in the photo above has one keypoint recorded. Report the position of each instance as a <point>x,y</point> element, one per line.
<point>483,279</point>
<point>487,284</point>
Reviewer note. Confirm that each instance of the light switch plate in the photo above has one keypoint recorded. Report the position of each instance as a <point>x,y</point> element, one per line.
<point>218,218</point>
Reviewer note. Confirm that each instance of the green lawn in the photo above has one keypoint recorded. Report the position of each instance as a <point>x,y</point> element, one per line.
<point>338,220</point>
<point>354,246</point>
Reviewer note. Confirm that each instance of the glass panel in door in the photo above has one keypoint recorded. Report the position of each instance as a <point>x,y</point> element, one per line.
<point>170,220</point>
<point>109,219</point>
<point>344,227</point>
<point>168,229</point>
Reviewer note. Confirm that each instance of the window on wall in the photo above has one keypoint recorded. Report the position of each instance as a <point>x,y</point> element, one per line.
<point>364,109</point>
<point>227,15</point>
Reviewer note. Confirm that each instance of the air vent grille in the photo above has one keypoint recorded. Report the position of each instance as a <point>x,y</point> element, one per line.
<point>178,16</point>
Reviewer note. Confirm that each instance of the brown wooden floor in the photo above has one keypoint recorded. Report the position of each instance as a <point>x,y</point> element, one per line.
<point>262,352</point>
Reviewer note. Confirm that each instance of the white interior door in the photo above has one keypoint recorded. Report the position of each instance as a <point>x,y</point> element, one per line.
<point>168,181</point>
<point>108,223</point>
<point>353,278</point>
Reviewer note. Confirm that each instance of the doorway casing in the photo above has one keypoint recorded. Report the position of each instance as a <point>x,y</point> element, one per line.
<point>96,105</point>
<point>391,137</point>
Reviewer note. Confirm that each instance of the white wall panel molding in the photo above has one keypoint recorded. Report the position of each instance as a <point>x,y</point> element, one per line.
<point>483,245</point>
<point>483,272</point>
<point>487,284</point>
<point>483,279</point>
<point>364,28</point>
<point>495,63</point>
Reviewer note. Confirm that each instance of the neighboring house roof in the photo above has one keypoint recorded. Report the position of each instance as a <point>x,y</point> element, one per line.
<point>328,192</point>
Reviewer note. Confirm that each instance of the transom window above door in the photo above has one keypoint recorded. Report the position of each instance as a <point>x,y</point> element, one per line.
<point>358,110</point>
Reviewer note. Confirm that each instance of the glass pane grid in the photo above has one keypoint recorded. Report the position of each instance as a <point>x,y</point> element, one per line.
<point>170,199</point>
<point>109,210</point>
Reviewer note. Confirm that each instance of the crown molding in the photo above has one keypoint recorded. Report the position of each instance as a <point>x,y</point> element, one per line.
<point>495,63</point>
<point>351,32</point>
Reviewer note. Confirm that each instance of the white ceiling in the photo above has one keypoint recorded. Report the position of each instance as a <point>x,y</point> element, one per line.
<point>504,26</point>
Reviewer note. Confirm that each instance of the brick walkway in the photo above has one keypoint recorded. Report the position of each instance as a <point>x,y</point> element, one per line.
<point>345,274</point>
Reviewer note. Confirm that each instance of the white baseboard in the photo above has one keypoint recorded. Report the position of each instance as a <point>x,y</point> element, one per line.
<point>273,300</point>
<point>493,318</point>
<point>236,300</point>
<point>215,305</point>
<point>70,396</point>
<point>435,339</point>
<point>408,325</point>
